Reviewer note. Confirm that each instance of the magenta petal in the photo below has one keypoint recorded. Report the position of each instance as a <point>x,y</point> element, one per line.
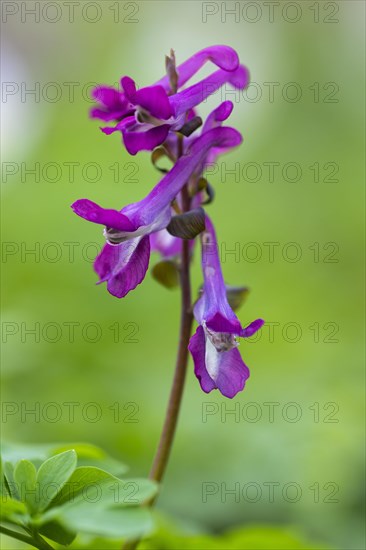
<point>232,372</point>
<point>155,100</point>
<point>197,348</point>
<point>223,56</point>
<point>196,94</point>
<point>112,104</point>
<point>218,115</point>
<point>127,122</point>
<point>103,114</point>
<point>226,321</point>
<point>107,95</point>
<point>92,212</point>
<point>223,111</point>
<point>129,87</point>
<point>144,141</point>
<point>106,261</point>
<point>252,328</point>
<point>108,130</point>
<point>123,266</point>
<point>240,78</point>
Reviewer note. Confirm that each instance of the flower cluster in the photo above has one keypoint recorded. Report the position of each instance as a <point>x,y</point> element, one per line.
<point>162,118</point>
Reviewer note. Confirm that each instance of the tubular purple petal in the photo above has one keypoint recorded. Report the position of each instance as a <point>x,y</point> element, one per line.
<point>252,328</point>
<point>224,57</point>
<point>168,188</point>
<point>196,94</point>
<point>218,116</point>
<point>153,213</point>
<point>92,212</point>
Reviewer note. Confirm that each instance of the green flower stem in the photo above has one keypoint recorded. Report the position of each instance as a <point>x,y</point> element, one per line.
<point>38,542</point>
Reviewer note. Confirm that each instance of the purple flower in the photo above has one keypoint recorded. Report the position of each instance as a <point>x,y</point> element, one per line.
<point>217,361</point>
<point>113,104</point>
<point>146,116</point>
<point>124,260</point>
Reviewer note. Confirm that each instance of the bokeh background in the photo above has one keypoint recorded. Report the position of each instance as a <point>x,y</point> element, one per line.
<point>307,364</point>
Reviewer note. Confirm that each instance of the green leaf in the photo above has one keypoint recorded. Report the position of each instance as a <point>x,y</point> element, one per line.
<point>25,474</point>
<point>13,452</point>
<point>90,455</point>
<point>91,542</point>
<point>187,225</point>
<point>166,273</point>
<point>261,537</point>
<point>134,491</point>
<point>81,478</point>
<point>97,486</point>
<point>100,508</point>
<point>57,532</point>
<point>3,487</point>
<point>9,476</point>
<point>112,522</point>
<point>264,537</point>
<point>12,510</point>
<point>83,450</point>
<point>87,454</point>
<point>52,476</point>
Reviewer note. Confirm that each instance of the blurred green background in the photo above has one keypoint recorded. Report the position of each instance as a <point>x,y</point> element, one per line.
<point>309,365</point>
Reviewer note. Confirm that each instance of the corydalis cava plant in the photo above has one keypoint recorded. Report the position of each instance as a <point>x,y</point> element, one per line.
<point>162,118</point>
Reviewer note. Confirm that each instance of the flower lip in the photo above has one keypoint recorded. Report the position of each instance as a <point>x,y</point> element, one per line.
<point>223,341</point>
<point>123,266</point>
